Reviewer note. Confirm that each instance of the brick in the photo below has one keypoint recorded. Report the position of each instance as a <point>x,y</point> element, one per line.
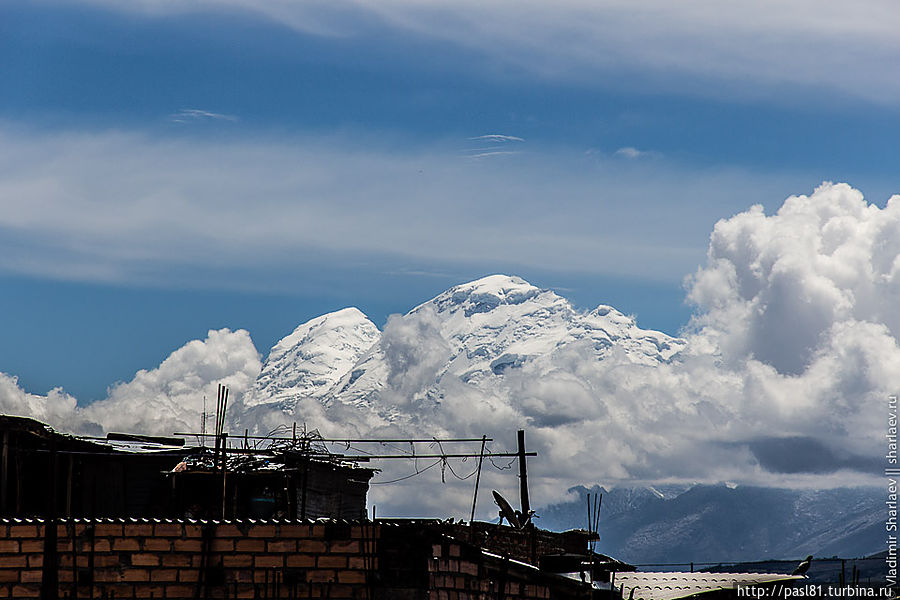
<point>64,546</point>
<point>35,560</point>
<point>331,562</point>
<point>8,576</point>
<point>26,591</point>
<point>264,531</point>
<point>108,530</point>
<point>23,531</point>
<point>190,575</point>
<point>168,529</point>
<point>126,544</point>
<point>187,545</point>
<point>31,546</point>
<point>107,575</point>
<point>102,546</point>
<point>9,545</point>
<point>237,560</point>
<point>454,550</point>
<point>250,546</point>
<point>155,544</point>
<point>281,546</point>
<point>149,591</point>
<point>33,576</point>
<point>268,561</point>
<point>436,550</point>
<point>176,560</point>
<point>301,560</point>
<point>12,561</point>
<point>138,529</point>
<point>294,531</point>
<point>362,562</point>
<point>137,574</point>
<point>311,546</point>
<point>192,531</point>
<point>341,591</point>
<point>228,530</point>
<point>220,545</point>
<point>320,575</point>
<point>145,560</point>
<point>179,591</point>
<point>344,546</point>
<point>351,577</point>
<point>107,560</point>
<point>163,575</point>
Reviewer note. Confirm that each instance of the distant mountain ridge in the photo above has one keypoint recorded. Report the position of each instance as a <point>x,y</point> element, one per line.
<point>719,523</point>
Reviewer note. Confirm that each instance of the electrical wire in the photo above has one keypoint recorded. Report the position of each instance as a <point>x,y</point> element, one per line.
<point>418,472</point>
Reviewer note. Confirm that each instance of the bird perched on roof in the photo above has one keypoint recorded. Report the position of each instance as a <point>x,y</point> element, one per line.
<point>803,567</point>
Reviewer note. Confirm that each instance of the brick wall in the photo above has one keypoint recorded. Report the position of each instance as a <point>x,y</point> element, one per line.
<point>169,559</point>
<point>456,572</point>
<point>151,558</point>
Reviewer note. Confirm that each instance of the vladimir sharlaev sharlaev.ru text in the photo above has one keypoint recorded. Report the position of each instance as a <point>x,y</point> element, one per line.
<point>813,590</point>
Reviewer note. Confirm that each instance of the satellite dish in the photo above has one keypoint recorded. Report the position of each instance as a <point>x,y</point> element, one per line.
<point>506,511</point>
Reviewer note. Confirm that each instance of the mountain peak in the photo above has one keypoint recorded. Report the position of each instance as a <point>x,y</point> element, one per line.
<point>484,295</point>
<point>313,357</point>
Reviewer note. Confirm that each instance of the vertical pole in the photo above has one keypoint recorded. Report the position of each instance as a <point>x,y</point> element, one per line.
<point>49,574</point>
<point>224,471</point>
<point>69,487</point>
<point>477,479</point>
<point>523,476</point>
<point>4,473</point>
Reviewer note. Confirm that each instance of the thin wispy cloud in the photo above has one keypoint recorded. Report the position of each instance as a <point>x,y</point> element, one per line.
<point>122,206</point>
<point>632,153</point>
<point>497,137</point>
<point>494,153</point>
<point>734,49</point>
<point>193,115</point>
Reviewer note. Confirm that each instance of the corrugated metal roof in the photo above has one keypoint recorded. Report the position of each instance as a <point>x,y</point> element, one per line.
<point>669,586</point>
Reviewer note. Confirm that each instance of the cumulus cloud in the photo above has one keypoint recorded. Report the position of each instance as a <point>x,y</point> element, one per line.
<point>783,380</point>
<point>161,400</point>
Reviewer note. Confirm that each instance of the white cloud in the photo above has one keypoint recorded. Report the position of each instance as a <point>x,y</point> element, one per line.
<point>497,137</point>
<point>169,398</point>
<point>127,207</point>
<point>795,345</point>
<point>189,115</point>
<point>633,153</point>
<point>758,48</point>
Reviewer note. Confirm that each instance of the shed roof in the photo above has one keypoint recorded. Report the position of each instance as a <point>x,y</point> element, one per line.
<point>669,586</point>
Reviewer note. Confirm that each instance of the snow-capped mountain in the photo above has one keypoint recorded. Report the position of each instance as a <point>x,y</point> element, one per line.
<point>477,332</point>
<point>309,361</point>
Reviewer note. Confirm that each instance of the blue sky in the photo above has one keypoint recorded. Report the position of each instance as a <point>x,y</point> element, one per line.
<point>168,171</point>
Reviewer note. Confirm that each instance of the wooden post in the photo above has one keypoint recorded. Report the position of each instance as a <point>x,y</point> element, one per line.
<point>224,471</point>
<point>523,476</point>
<point>4,473</point>
<point>49,574</point>
<point>477,478</point>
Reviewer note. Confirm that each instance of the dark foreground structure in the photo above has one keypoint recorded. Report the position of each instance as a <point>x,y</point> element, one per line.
<point>133,516</point>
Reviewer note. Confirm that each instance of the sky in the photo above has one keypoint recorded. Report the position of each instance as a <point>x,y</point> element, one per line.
<point>172,168</point>
<point>182,184</point>
<point>168,169</point>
